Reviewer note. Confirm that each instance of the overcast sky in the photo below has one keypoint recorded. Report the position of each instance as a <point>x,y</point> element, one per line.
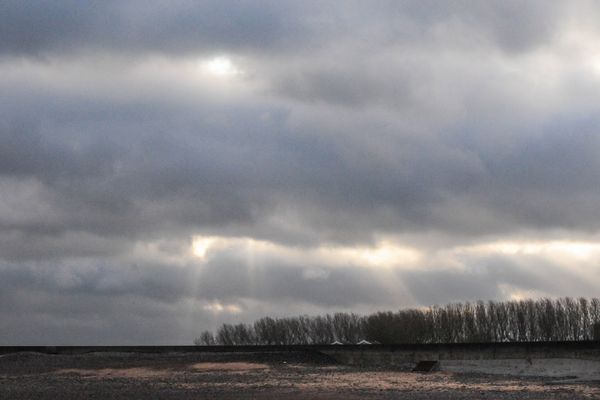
<point>167,166</point>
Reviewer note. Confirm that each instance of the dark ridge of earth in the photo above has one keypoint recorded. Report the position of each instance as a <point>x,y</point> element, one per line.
<point>275,375</point>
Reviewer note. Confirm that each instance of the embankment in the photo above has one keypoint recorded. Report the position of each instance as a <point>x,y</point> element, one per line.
<point>556,359</point>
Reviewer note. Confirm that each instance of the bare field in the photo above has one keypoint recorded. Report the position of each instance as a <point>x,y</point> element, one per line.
<point>253,376</point>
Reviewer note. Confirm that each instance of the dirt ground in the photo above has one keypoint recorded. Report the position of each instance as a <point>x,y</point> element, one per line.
<point>253,376</point>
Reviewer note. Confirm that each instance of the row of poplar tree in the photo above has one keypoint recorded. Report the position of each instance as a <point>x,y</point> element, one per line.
<point>507,321</point>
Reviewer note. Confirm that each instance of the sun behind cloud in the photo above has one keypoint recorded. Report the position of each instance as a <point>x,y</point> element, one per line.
<point>201,245</point>
<point>220,66</point>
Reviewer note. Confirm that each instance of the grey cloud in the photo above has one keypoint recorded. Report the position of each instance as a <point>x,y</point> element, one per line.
<point>124,301</point>
<point>36,317</point>
<point>352,81</point>
<point>488,277</point>
<point>130,180</point>
<point>228,278</point>
<point>20,245</point>
<point>513,25</point>
<point>443,286</point>
<point>417,119</point>
<point>232,278</point>
<point>40,28</point>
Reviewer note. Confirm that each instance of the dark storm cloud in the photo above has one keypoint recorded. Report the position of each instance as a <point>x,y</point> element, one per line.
<point>41,28</point>
<point>133,177</point>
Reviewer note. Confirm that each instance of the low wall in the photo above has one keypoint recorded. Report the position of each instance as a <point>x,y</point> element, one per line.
<point>411,354</point>
<point>548,359</point>
<point>579,359</point>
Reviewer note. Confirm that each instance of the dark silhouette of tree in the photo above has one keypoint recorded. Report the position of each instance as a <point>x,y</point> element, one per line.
<point>206,338</point>
<point>525,320</point>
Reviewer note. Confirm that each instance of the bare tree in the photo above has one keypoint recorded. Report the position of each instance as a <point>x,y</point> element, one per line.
<point>206,338</point>
<point>527,320</point>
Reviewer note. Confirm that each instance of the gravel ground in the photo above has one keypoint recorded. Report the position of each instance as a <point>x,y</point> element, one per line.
<point>252,376</point>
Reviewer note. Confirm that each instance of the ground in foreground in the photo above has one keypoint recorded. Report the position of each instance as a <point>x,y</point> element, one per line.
<point>252,376</point>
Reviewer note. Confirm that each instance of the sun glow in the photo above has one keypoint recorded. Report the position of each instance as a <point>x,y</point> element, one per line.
<point>384,254</point>
<point>221,67</point>
<point>570,249</point>
<point>218,307</point>
<point>201,245</point>
<point>595,63</point>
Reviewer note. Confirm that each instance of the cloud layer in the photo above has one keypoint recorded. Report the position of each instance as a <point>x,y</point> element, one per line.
<point>330,157</point>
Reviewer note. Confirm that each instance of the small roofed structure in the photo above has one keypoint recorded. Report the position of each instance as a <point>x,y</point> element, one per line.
<point>364,342</point>
<point>337,342</point>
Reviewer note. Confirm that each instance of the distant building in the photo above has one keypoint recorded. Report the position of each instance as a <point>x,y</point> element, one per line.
<point>364,342</point>
<point>337,342</point>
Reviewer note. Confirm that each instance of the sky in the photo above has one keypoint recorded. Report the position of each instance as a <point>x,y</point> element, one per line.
<point>169,166</point>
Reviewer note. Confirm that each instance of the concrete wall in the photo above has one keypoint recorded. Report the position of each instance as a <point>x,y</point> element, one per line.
<point>559,359</point>
<point>400,354</point>
<point>533,358</point>
<point>410,352</point>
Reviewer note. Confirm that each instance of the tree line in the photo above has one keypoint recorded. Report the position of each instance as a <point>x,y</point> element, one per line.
<point>562,319</point>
